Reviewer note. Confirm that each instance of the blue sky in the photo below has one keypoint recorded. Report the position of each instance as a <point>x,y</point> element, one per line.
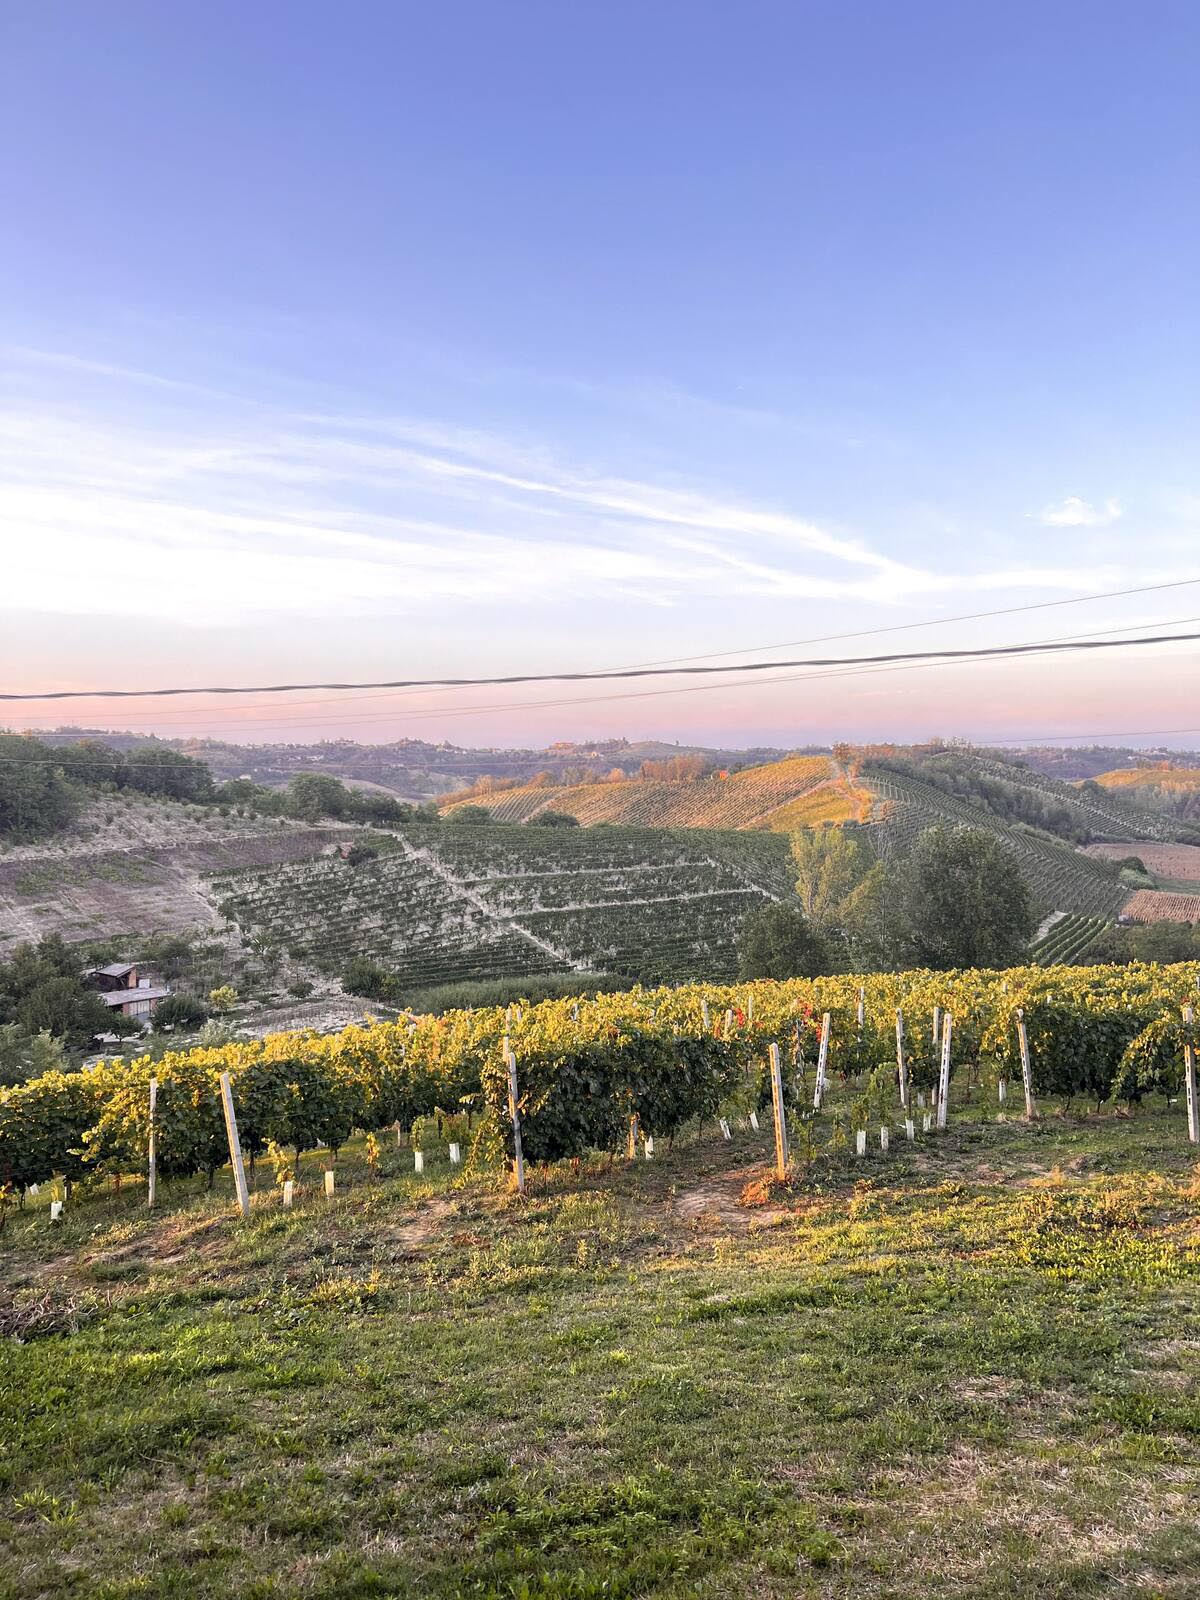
<point>383,338</point>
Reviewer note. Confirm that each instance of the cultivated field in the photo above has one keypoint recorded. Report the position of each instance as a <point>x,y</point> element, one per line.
<point>457,902</point>
<point>1165,778</point>
<point>1180,861</point>
<point>756,797</point>
<point>134,865</point>
<point>1159,905</point>
<point>919,1363</point>
<point>1174,791</point>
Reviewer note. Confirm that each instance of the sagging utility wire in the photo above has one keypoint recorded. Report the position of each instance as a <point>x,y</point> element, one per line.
<point>992,652</point>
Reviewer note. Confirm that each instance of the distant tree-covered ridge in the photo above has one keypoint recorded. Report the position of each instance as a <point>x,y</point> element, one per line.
<point>43,787</point>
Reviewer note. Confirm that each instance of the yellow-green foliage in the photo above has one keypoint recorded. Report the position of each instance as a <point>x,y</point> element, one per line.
<point>586,1066</point>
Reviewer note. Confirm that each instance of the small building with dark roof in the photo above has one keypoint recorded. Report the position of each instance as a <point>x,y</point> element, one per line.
<point>137,1001</point>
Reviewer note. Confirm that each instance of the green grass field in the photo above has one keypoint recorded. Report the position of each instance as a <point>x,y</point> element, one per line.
<point>968,1367</point>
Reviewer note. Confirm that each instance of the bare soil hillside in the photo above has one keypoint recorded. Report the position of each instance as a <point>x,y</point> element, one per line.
<point>133,865</point>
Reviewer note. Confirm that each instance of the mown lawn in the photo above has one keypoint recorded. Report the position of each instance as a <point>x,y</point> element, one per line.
<point>967,1368</point>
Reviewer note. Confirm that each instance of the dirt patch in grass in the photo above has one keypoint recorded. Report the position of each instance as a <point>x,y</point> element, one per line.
<point>410,1237</point>
<point>717,1204</point>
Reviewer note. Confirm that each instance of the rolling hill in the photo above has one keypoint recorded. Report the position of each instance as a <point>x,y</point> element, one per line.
<point>657,893</point>
<point>1061,877</point>
<point>1170,791</point>
<point>779,795</point>
<point>1041,820</point>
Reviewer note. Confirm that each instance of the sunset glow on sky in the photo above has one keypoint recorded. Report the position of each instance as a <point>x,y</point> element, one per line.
<point>465,340</point>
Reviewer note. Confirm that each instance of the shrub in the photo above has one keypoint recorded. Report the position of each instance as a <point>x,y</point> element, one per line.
<point>358,853</point>
<point>180,1011</point>
<point>472,816</point>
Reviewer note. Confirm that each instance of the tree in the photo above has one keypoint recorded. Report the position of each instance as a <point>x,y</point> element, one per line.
<point>554,819</point>
<point>63,1008</point>
<point>779,941</point>
<point>24,1055</point>
<point>180,1011</point>
<point>367,978</point>
<point>965,901</point>
<point>313,795</point>
<point>35,794</point>
<point>830,866</point>
<point>475,816</point>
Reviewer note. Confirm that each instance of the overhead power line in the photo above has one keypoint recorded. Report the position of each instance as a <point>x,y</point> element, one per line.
<point>992,651</point>
<point>932,622</point>
<point>188,719</point>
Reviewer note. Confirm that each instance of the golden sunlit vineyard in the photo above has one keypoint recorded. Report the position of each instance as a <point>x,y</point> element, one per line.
<point>752,798</point>
<point>1156,777</point>
<point>665,1057</point>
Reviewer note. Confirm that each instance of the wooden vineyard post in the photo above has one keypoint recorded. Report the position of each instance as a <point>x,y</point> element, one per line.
<point>781,1138</point>
<point>510,1062</point>
<point>1189,1080</point>
<point>631,1149</point>
<point>152,1173</point>
<point>1026,1068</point>
<point>901,1069</point>
<point>944,1076</point>
<point>235,1146</point>
<point>704,1022</point>
<point>822,1064</point>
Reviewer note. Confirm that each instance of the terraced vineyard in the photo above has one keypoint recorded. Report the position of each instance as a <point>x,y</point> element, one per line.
<point>1159,905</point>
<point>1173,791</point>
<point>454,903</point>
<point>758,797</point>
<point>1103,814</point>
<point>1061,877</point>
<point>1066,940</point>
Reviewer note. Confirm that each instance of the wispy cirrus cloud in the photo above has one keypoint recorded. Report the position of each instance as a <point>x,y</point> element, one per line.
<point>1072,512</point>
<point>195,513</point>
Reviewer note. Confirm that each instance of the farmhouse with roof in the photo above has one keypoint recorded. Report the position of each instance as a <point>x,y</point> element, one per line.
<point>120,988</point>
